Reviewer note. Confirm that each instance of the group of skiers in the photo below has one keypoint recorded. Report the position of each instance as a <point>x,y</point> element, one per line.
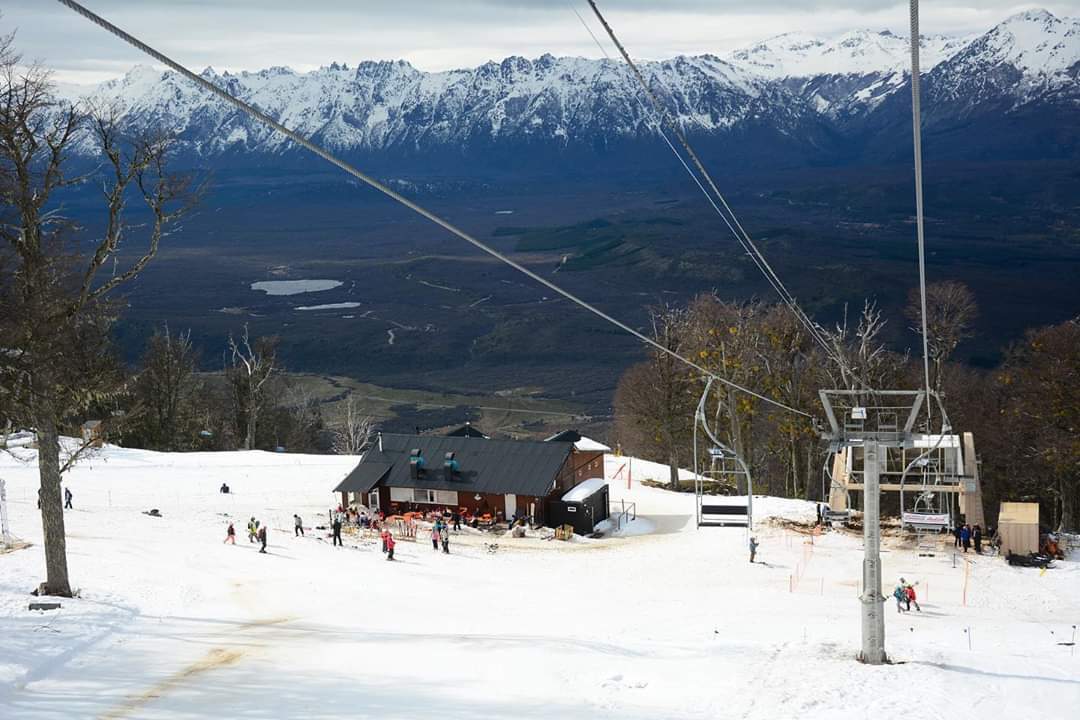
<point>256,533</point>
<point>966,535</point>
<point>440,534</point>
<point>905,596</point>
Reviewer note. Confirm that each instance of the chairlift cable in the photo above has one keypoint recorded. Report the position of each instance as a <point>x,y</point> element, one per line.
<point>398,197</point>
<point>755,255</point>
<point>916,128</point>
<point>743,237</point>
<point>815,330</point>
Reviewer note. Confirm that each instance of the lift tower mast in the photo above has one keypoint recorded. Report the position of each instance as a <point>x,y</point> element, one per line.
<point>869,422</point>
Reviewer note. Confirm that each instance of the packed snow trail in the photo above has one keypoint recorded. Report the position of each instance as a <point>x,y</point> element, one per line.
<point>173,623</point>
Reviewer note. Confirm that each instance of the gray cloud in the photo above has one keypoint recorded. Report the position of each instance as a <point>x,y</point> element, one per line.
<point>439,34</point>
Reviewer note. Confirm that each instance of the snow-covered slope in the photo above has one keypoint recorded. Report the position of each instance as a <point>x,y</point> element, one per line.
<point>173,623</point>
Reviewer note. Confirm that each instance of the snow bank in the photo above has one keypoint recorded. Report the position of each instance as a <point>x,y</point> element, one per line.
<point>584,489</point>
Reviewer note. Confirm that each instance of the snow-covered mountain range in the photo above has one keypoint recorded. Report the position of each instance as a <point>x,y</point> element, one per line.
<point>794,87</point>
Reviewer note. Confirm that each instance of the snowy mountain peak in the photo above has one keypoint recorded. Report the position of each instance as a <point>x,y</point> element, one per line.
<point>783,85</point>
<point>857,52</point>
<point>1034,42</point>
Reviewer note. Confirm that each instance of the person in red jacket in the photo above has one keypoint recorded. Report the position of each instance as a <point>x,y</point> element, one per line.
<point>389,546</point>
<point>909,590</point>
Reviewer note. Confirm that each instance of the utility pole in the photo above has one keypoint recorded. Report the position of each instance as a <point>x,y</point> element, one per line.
<point>5,531</point>
<point>873,617</point>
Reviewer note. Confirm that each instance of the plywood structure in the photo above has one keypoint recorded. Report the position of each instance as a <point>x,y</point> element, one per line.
<point>1018,525</point>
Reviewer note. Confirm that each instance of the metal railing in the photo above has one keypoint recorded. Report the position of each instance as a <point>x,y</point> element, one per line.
<point>622,513</point>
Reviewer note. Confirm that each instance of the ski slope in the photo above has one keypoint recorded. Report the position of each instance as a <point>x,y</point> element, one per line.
<point>674,623</point>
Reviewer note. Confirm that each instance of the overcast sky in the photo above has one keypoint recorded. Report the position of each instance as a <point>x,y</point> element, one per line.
<point>440,34</point>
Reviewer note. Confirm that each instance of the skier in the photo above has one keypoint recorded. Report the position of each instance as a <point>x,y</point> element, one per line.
<point>262,539</point>
<point>444,536</point>
<point>965,537</point>
<point>957,532</point>
<point>753,548</point>
<point>901,596</point>
<point>67,499</point>
<point>298,525</point>
<point>909,593</point>
<point>456,517</point>
<point>389,546</point>
<point>435,536</point>
<point>230,534</point>
<point>337,530</point>
<point>253,529</point>
<point>976,537</point>
<point>383,535</point>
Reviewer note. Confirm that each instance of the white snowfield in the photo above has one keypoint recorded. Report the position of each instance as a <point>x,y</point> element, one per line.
<point>172,623</point>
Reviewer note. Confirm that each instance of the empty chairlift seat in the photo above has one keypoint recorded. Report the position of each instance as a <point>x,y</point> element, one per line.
<point>925,520</point>
<point>720,511</point>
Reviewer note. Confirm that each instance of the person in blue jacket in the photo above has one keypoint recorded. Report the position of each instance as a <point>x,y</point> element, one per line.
<point>965,537</point>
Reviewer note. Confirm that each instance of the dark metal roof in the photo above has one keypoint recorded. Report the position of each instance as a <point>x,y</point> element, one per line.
<point>521,467</point>
<point>364,476</point>
<point>565,436</point>
<point>467,430</point>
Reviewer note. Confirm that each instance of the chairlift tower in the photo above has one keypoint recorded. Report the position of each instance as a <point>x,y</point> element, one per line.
<point>868,420</point>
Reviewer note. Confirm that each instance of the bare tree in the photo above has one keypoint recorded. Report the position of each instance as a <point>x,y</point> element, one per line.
<point>300,420</point>
<point>166,390</point>
<point>950,311</point>
<point>1040,384</point>
<point>356,431</point>
<point>248,369</point>
<point>860,359</point>
<point>654,401</point>
<point>57,360</point>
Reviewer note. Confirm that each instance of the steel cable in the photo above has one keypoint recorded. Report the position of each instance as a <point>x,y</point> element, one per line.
<point>816,332</point>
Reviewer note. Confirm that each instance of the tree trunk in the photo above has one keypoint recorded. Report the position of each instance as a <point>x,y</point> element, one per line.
<point>794,471</point>
<point>249,437</point>
<point>673,469</point>
<point>1066,524</point>
<point>52,510</point>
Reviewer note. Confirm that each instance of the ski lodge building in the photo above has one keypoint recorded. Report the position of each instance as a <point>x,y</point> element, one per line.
<point>502,478</point>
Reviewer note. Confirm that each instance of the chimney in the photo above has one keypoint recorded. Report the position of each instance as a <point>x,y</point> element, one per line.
<point>416,463</point>
<point>380,442</point>
<point>450,465</point>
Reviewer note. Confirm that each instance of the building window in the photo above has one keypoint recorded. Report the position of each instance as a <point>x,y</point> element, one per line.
<point>424,496</point>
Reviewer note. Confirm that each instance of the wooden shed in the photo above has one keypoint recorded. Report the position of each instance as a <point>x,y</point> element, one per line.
<point>1018,525</point>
